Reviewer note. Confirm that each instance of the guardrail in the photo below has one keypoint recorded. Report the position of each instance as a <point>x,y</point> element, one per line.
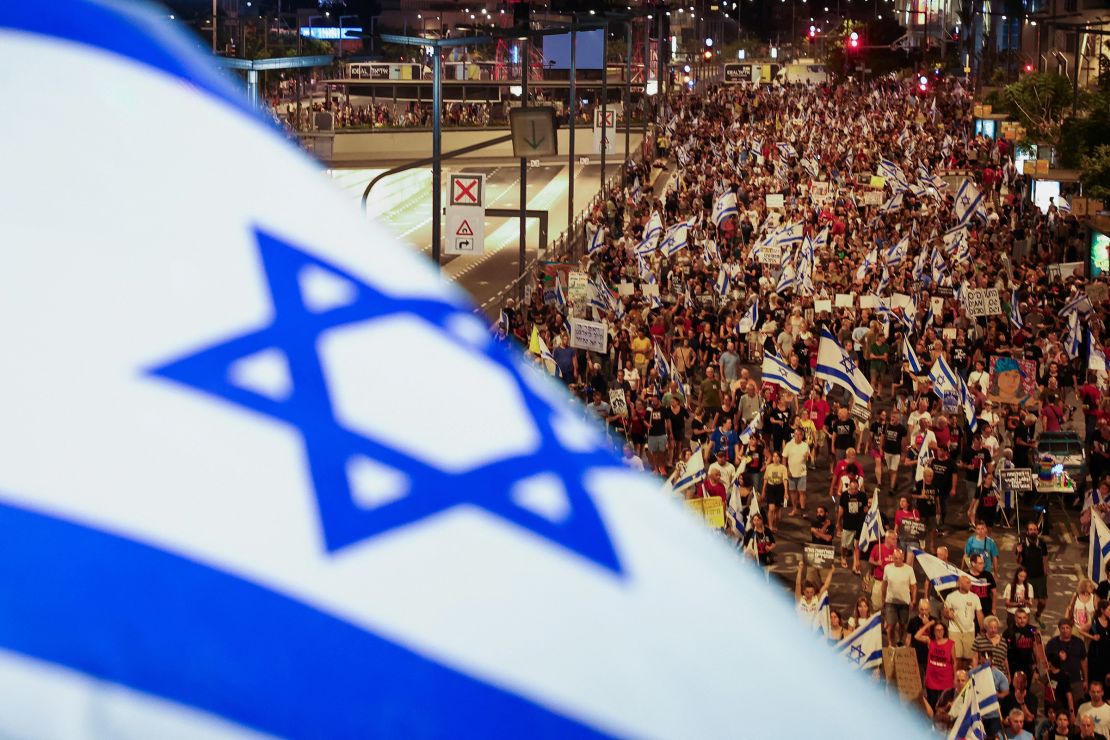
<point>570,245</point>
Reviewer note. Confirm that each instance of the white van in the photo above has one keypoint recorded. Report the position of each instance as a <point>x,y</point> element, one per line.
<point>810,73</point>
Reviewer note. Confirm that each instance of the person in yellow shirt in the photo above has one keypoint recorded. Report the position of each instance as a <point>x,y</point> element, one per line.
<point>774,489</point>
<point>641,351</point>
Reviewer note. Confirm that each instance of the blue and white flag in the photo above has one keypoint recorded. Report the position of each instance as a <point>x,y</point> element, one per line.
<point>1099,549</point>
<point>216,496</point>
<point>969,202</point>
<point>942,574</point>
<point>637,191</point>
<point>1062,205</point>
<point>678,237</point>
<point>821,621</point>
<point>560,297</point>
<point>777,372</point>
<point>1080,304</point>
<point>944,379</point>
<point>662,365</point>
<point>693,472</point>
<point>1015,311</point>
<point>752,428</point>
<point>750,320</point>
<point>654,227</point>
<point>864,647</point>
<point>867,264</point>
<point>1097,358</point>
<point>897,253</point>
<point>597,238</point>
<point>811,167</point>
<point>724,205</point>
<point>722,283</point>
<point>786,151</point>
<point>1074,337</point>
<point>892,204</point>
<point>838,367</point>
<point>872,531</point>
<point>789,235</point>
<point>967,721</point>
<point>788,280</point>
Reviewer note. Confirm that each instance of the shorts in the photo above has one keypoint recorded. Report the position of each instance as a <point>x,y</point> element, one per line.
<point>1040,586</point>
<point>657,443</point>
<point>776,492</point>
<point>896,613</point>
<point>848,539</point>
<point>891,461</point>
<point>796,484</point>
<point>962,648</point>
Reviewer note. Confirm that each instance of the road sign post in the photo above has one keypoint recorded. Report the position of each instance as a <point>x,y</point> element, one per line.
<point>605,130</point>
<point>466,214</point>
<point>533,132</point>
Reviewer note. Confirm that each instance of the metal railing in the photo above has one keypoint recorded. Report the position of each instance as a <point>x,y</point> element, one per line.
<point>569,246</point>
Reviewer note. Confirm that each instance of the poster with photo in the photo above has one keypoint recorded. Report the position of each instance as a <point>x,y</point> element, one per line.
<point>1013,381</point>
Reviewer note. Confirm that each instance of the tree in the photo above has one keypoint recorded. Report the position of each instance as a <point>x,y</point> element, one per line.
<point>1040,101</point>
<point>1095,174</point>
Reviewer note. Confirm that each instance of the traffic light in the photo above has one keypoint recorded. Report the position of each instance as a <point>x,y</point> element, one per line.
<point>812,33</point>
<point>923,83</point>
<point>1029,68</point>
<point>853,41</point>
<point>708,55</point>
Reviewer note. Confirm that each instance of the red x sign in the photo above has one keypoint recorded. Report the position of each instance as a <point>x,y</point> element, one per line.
<point>466,190</point>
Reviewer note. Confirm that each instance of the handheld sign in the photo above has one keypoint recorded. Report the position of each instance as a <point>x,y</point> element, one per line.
<point>913,531</point>
<point>818,555</point>
<point>1017,479</point>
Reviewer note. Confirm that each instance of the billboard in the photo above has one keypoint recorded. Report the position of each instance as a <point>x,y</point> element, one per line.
<point>591,47</point>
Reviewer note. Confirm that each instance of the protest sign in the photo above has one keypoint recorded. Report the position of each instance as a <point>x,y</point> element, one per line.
<point>775,200</point>
<point>591,335</point>
<point>901,300</point>
<point>877,182</point>
<point>912,531</point>
<point>1017,479</point>
<point>577,287</point>
<point>937,304</point>
<point>861,413</point>
<point>625,288</point>
<point>818,556</point>
<point>771,255</point>
<point>873,198</point>
<point>845,300</point>
<point>1012,381</point>
<point>711,509</point>
<point>948,332</point>
<point>650,289</point>
<point>822,305</point>
<point>617,401</point>
<point>869,301</point>
<point>901,668</point>
<point>983,302</point>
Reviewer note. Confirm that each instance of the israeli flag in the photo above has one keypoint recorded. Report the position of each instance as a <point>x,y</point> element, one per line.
<point>892,204</point>
<point>677,378</point>
<point>220,512</point>
<point>811,167</point>
<point>749,322</point>
<point>868,262</point>
<point>788,280</point>
<point>1015,311</point>
<point>637,191</point>
<point>678,237</point>
<point>547,360</point>
<point>942,574</point>
<point>967,720</point>
<point>969,202</point>
<point>954,237</point>
<point>1097,359</point>
<point>648,245</point>
<point>722,283</point>
<point>654,226</point>
<point>889,170</point>
<point>693,473</point>
<point>897,254</point>
<point>597,239</point>
<point>724,205</point>
<point>777,372</point>
<point>821,621</point>
<point>752,428</point>
<point>1099,549</point>
<point>838,367</point>
<point>1073,338</point>
<point>1062,205</point>
<point>789,236</point>
<point>661,363</point>
<point>943,378</point>
<point>864,647</point>
<point>786,151</point>
<point>872,531</point>
<point>1079,304</point>
<point>560,297</point>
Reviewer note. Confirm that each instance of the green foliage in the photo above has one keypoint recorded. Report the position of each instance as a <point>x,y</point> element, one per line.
<point>1040,101</point>
<point>1096,172</point>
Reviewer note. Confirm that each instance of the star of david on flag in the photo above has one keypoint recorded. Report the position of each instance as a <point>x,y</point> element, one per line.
<point>336,452</point>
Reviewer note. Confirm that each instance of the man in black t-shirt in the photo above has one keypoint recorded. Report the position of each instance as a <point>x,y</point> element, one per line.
<point>944,476</point>
<point>1022,638</point>
<point>927,496</point>
<point>1032,554</point>
<point>778,424</point>
<point>852,508</point>
<point>1025,441</point>
<point>894,446</point>
<point>985,592</point>
<point>843,432</point>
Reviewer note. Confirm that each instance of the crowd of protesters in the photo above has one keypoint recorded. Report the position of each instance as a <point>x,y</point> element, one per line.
<point>700,284</point>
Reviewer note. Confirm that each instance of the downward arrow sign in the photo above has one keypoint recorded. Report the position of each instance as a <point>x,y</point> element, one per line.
<point>534,142</point>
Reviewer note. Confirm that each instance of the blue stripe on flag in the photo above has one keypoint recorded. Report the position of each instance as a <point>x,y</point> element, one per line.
<point>83,598</point>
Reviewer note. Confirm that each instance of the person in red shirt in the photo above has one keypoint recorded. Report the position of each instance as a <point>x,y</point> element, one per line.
<point>940,668</point>
<point>713,486</point>
<point>881,556</point>
<point>1090,396</point>
<point>816,409</point>
<point>846,470</point>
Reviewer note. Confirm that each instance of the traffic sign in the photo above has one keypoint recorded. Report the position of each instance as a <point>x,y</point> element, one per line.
<point>605,130</point>
<point>466,230</point>
<point>533,132</point>
<point>466,190</point>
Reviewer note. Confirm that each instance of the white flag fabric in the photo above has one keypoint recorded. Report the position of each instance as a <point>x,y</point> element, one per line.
<point>724,205</point>
<point>1099,548</point>
<point>220,511</point>
<point>942,574</point>
<point>968,722</point>
<point>836,366</point>
<point>779,373</point>
<point>969,202</point>
<point>693,473</point>
<point>864,647</point>
<point>654,227</point>
<point>872,531</point>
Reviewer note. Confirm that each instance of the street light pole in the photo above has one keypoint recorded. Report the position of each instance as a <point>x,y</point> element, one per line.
<point>604,102</point>
<point>523,162</point>
<point>570,120</point>
<point>437,169</point>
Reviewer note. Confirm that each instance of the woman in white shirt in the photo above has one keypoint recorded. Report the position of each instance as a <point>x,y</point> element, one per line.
<point>1083,608</point>
<point>1017,595</point>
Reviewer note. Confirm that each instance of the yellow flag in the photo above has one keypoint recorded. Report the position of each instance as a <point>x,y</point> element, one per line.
<point>534,342</point>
